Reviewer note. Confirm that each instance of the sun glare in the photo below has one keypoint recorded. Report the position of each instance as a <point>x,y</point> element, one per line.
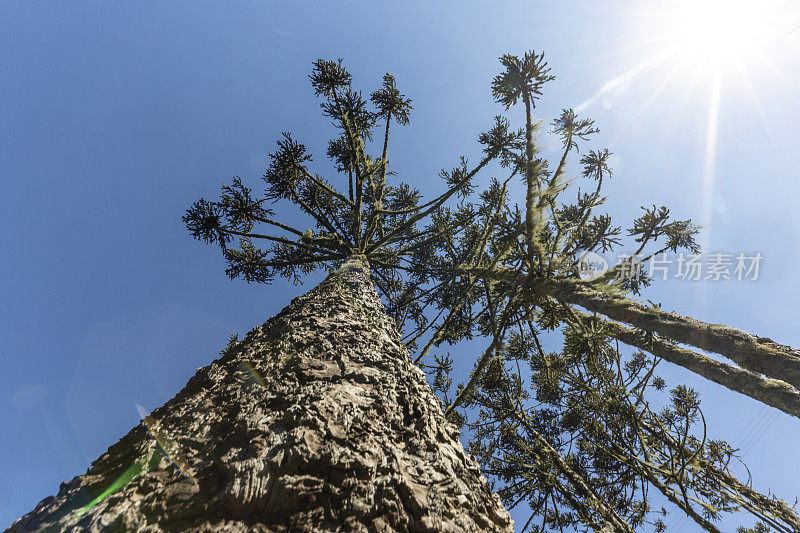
<point>696,54</point>
<point>693,44</point>
<point>723,30</point>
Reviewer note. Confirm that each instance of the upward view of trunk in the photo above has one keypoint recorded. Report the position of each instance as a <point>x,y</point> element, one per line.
<point>317,420</point>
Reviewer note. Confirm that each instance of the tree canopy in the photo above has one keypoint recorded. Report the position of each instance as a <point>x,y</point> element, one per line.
<point>568,430</point>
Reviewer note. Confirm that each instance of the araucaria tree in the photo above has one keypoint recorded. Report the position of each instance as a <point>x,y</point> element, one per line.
<point>320,420</point>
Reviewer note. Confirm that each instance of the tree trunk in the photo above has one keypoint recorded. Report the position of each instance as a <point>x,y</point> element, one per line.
<point>317,420</point>
<point>750,352</point>
<point>772,392</point>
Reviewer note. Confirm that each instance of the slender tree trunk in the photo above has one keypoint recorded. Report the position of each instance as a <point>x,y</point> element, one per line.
<point>750,352</point>
<point>317,420</point>
<point>772,392</point>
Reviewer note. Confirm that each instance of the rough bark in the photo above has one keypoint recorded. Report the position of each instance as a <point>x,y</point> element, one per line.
<point>317,420</point>
<point>757,354</point>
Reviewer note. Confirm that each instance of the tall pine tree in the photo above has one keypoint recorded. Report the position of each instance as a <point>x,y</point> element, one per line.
<point>571,431</point>
<point>320,420</point>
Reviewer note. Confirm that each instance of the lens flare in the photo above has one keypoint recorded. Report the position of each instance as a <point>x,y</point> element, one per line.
<point>129,475</point>
<point>169,447</point>
<point>691,55</point>
<point>252,372</point>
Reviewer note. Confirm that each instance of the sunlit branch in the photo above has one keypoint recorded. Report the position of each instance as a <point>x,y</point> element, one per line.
<point>575,479</point>
<point>355,147</point>
<point>378,190</point>
<point>771,392</point>
<point>278,224</point>
<point>743,494</point>
<point>323,221</point>
<point>503,323</point>
<point>438,203</point>
<point>324,186</point>
<point>753,353</point>
<point>303,246</point>
<point>612,272</point>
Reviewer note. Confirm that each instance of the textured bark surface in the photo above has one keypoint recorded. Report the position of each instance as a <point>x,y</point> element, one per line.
<point>317,420</point>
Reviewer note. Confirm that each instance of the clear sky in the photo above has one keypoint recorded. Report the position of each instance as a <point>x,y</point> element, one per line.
<point>115,116</point>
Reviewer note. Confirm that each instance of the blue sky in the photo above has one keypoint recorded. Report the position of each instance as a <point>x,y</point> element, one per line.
<point>114,117</point>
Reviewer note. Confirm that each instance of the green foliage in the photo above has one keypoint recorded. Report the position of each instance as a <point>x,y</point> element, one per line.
<point>758,528</point>
<point>390,103</point>
<point>233,340</point>
<point>570,129</point>
<point>522,77</point>
<point>569,432</point>
<point>374,218</point>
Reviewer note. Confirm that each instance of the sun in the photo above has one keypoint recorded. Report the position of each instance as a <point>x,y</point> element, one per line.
<point>691,56</point>
<point>694,44</point>
<point>722,31</point>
